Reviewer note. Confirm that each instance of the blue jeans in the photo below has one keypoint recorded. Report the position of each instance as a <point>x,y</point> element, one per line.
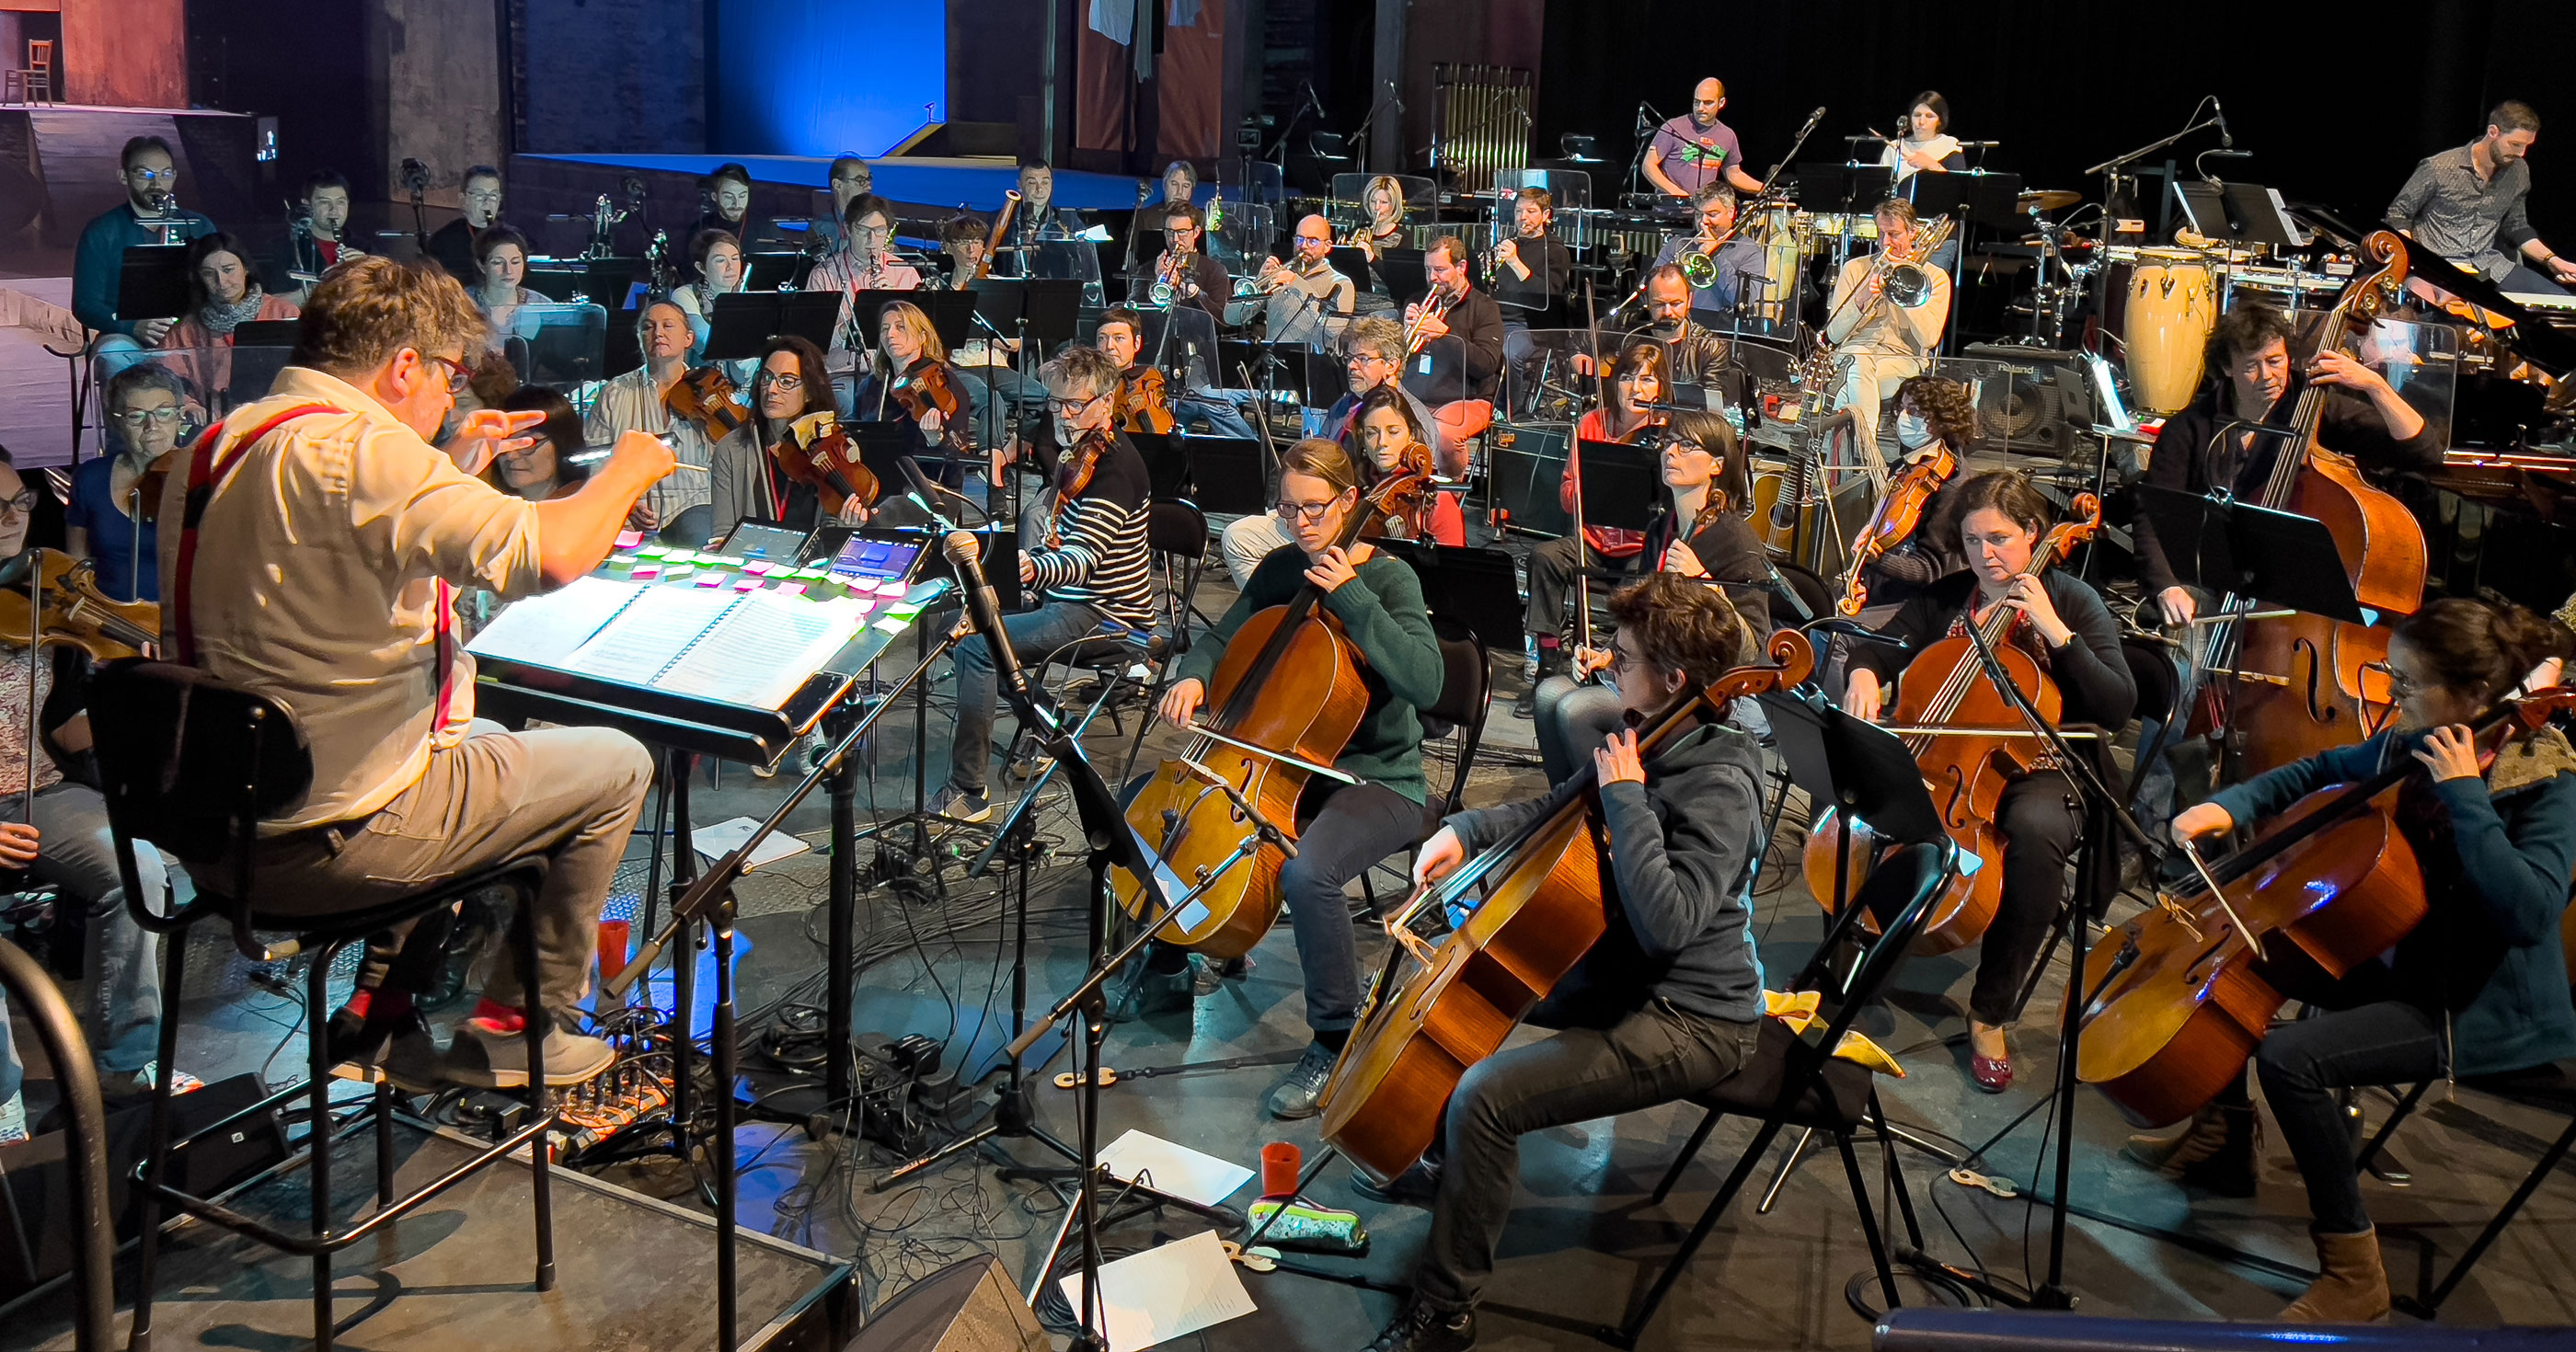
<point>2304,1063</point>
<point>1222,408</point>
<point>120,1012</point>
<point>1358,825</point>
<point>1034,636</point>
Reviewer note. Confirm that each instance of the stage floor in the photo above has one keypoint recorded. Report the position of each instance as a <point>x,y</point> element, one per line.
<point>975,183</point>
<point>1582,1242</point>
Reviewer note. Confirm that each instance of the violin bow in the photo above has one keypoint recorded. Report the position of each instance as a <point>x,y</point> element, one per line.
<point>1583,547</point>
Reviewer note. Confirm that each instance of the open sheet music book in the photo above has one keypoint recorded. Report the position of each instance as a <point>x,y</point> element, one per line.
<point>754,648</point>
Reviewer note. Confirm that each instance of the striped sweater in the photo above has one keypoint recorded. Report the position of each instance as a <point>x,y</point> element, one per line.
<point>1101,558</point>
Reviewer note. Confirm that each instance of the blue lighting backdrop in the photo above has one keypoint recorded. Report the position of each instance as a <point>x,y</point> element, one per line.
<point>819,77</point>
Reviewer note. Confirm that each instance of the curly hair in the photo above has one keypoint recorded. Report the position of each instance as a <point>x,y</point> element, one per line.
<point>1946,404</point>
<point>2245,330</point>
<point>1681,625</point>
<point>367,309</point>
<point>1087,370</point>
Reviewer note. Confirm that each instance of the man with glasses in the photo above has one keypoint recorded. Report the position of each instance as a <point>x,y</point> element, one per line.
<point>865,262</point>
<point>453,244</point>
<point>634,402</point>
<point>145,419</point>
<point>1308,301</point>
<point>149,215</point>
<point>1194,278</point>
<point>333,472</point>
<point>850,178</point>
<point>1087,558</point>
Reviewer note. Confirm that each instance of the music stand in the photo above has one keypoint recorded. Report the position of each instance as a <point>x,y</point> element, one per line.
<point>610,282</point>
<point>952,314</point>
<point>1351,261</point>
<point>1050,306</point>
<point>152,282</point>
<point>1404,273</point>
<point>1326,383</point>
<point>1228,474</point>
<point>744,321</point>
<point>1843,187</point>
<point>267,332</point>
<point>772,270</point>
<point>1620,483</point>
<point>2239,549</point>
<point>2240,213</point>
<point>1474,587</point>
<point>882,447</point>
<point>1167,464</point>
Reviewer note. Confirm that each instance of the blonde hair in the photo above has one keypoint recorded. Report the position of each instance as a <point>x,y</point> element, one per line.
<point>1317,458</point>
<point>367,309</point>
<point>1394,193</point>
<point>914,322</point>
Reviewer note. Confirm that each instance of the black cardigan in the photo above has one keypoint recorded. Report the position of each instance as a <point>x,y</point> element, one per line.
<point>2091,674</point>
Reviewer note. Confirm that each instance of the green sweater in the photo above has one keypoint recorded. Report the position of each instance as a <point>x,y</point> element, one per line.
<point>1382,613</point>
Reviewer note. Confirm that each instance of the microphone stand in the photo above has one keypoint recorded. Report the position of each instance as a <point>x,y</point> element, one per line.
<point>2111,180</point>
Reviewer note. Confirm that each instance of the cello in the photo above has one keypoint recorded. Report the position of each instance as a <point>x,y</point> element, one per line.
<point>1894,521</point>
<point>1288,695</point>
<point>1946,685</point>
<point>2297,682</point>
<point>2172,1011</point>
<point>1543,908</point>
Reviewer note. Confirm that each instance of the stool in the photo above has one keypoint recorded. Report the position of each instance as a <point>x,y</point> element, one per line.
<point>193,764</point>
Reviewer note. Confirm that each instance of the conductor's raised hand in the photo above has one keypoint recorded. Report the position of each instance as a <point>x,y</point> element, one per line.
<point>488,432</point>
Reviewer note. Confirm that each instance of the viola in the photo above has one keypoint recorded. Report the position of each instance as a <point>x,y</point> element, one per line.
<point>815,452</point>
<point>1895,520</point>
<point>710,400</point>
<point>930,386</point>
<point>71,609</point>
<point>1144,403</point>
<point>1542,909</point>
<point>1288,694</point>
<point>2295,685</point>
<point>1946,685</point>
<point>2177,999</point>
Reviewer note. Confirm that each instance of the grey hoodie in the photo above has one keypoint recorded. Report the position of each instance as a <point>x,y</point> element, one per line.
<point>1683,847</point>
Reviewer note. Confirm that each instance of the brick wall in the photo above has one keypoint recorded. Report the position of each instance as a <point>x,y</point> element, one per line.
<point>617,75</point>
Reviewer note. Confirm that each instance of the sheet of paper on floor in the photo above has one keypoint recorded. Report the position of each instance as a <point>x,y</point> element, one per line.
<point>1176,1169</point>
<point>723,838</point>
<point>1165,1293</point>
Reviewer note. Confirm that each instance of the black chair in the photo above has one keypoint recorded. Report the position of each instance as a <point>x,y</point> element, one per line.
<point>2550,1088</point>
<point>1793,1079</point>
<point>193,764</point>
<point>2158,684</point>
<point>1466,696</point>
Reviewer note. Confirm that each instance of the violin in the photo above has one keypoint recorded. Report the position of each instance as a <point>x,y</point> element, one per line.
<point>72,610</point>
<point>1946,685</point>
<point>2296,685</point>
<point>1288,694</point>
<point>815,452</point>
<point>1144,403</point>
<point>1895,520</point>
<point>1542,909</point>
<point>2176,1000</point>
<point>931,387</point>
<point>1073,475</point>
<point>709,399</point>
<point>155,476</point>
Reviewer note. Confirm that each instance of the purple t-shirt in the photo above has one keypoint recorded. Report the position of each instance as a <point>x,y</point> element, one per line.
<point>1696,156</point>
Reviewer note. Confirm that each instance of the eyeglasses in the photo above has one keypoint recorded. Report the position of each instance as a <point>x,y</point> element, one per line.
<point>137,417</point>
<point>1303,511</point>
<point>153,175</point>
<point>1056,405</point>
<point>1621,659</point>
<point>459,375</point>
<point>1368,359</point>
<point>492,196</point>
<point>2402,686</point>
<point>20,505</point>
<point>1314,239</point>
<point>786,381</point>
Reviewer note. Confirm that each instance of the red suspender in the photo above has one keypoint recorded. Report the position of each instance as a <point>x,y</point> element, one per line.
<point>204,475</point>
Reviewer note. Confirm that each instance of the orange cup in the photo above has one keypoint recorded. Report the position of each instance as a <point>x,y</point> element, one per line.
<point>1279,1165</point>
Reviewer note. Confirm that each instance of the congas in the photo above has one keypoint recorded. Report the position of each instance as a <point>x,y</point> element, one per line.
<point>1784,244</point>
<point>2170,306</point>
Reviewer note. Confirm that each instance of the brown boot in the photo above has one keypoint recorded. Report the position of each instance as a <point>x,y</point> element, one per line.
<point>2215,1154</point>
<point>2351,1286</point>
<point>2198,1141</point>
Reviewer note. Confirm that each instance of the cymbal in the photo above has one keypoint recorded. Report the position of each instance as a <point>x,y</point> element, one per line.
<point>2047,199</point>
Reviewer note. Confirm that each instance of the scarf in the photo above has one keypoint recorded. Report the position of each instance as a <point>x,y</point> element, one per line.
<point>221,319</point>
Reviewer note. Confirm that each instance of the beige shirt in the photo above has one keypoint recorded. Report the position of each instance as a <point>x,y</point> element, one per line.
<point>317,579</point>
<point>633,403</point>
<point>1882,329</point>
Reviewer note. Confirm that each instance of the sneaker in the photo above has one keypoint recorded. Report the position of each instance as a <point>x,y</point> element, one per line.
<point>958,805</point>
<point>1152,993</point>
<point>1416,1186</point>
<point>13,1120</point>
<point>486,1055</point>
<point>1297,1092</point>
<point>400,1051</point>
<point>132,1084</point>
<point>1420,1328</point>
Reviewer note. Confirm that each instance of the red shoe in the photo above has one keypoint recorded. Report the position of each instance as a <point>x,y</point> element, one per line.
<point>1992,1074</point>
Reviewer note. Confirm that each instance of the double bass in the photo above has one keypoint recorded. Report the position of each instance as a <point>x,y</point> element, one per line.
<point>2296,685</point>
<point>1544,906</point>
<point>1288,694</point>
<point>2175,1006</point>
<point>1946,685</point>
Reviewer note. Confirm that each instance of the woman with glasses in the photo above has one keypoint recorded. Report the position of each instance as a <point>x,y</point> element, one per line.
<point>2478,989</point>
<point>223,294</point>
<point>146,419</point>
<point>543,468</point>
<point>791,399</point>
<point>1344,827</point>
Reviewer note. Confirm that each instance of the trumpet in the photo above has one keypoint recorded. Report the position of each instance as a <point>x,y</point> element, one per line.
<point>1169,280</point>
<point>1437,307</point>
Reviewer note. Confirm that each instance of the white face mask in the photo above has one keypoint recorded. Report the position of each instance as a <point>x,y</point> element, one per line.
<point>1912,431</point>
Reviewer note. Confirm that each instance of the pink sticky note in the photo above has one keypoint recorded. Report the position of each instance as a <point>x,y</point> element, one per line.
<point>746,584</point>
<point>646,572</point>
<point>628,539</point>
<point>789,589</point>
<point>714,579</point>
<point>757,567</point>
